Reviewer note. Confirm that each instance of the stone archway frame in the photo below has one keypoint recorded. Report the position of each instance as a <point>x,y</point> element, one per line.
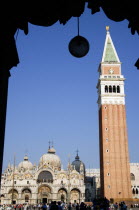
<point>75,194</point>
<point>26,191</point>
<point>62,191</point>
<point>44,191</point>
<point>15,195</point>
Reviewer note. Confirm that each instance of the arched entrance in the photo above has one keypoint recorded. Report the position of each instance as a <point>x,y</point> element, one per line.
<point>75,196</point>
<point>44,194</point>
<point>13,196</point>
<point>62,195</point>
<point>26,195</point>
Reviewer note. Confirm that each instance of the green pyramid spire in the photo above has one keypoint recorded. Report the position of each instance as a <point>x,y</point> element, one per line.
<point>109,53</point>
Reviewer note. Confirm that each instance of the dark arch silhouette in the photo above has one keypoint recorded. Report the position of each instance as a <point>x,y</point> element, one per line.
<point>106,89</point>
<point>26,190</point>
<point>110,89</point>
<point>62,188</point>
<point>118,89</point>
<point>114,89</point>
<point>48,13</point>
<point>13,191</point>
<point>133,191</point>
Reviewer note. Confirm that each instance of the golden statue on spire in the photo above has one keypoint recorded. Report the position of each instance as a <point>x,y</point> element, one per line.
<point>107,28</point>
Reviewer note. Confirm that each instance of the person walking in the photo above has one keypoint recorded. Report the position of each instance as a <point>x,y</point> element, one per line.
<point>82,206</point>
<point>44,206</point>
<point>77,206</point>
<point>53,206</point>
<point>60,207</point>
<point>69,206</point>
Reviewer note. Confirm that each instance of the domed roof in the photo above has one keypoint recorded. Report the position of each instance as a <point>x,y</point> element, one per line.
<point>26,164</point>
<point>51,150</point>
<point>77,163</point>
<point>51,159</point>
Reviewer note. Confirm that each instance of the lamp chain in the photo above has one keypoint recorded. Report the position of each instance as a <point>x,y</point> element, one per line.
<point>78,24</point>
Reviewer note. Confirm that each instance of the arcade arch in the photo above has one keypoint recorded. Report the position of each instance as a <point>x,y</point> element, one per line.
<point>44,194</point>
<point>62,195</point>
<point>75,195</point>
<point>26,195</point>
<point>112,89</point>
<point>13,195</point>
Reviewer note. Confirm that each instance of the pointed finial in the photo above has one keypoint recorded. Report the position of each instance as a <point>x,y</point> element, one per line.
<point>49,144</point>
<point>77,156</point>
<point>107,28</point>
<point>77,151</point>
<point>26,152</point>
<point>52,143</point>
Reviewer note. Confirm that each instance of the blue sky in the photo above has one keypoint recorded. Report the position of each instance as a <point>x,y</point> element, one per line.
<point>53,97</point>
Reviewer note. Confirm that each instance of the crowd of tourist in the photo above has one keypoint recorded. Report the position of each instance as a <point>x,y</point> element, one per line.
<point>104,204</point>
<point>97,204</point>
<point>52,206</point>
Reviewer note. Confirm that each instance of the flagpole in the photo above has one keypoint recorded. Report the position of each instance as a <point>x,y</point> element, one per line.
<point>69,180</point>
<point>13,181</point>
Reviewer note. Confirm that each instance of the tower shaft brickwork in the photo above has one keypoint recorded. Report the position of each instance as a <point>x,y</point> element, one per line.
<point>113,138</point>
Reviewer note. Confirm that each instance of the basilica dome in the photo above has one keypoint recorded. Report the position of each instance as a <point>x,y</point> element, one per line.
<point>50,159</point>
<point>78,165</point>
<point>26,164</point>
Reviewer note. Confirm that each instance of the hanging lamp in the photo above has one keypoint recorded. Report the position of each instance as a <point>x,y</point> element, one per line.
<point>78,46</point>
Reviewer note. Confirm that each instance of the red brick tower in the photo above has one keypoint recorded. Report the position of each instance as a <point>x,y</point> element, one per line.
<point>114,157</point>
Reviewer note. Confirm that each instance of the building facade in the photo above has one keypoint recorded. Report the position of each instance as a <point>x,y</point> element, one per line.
<point>47,181</point>
<point>113,139</point>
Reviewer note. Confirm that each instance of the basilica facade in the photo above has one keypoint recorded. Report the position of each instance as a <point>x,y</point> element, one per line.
<point>47,181</point>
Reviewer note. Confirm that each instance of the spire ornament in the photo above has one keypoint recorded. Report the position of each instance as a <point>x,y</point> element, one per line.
<point>107,28</point>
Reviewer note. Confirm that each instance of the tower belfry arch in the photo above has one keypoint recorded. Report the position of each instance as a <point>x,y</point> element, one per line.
<point>113,138</point>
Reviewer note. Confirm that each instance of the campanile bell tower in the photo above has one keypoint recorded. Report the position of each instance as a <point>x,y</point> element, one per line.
<point>113,139</point>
